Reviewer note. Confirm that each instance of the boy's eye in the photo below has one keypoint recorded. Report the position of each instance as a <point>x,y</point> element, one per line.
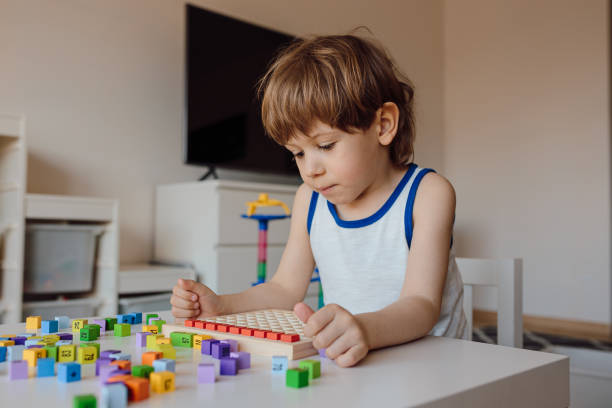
<point>327,146</point>
<point>296,155</point>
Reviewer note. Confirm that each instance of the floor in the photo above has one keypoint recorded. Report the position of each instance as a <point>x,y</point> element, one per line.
<point>590,364</point>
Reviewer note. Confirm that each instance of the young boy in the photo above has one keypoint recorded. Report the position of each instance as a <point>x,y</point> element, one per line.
<point>378,227</point>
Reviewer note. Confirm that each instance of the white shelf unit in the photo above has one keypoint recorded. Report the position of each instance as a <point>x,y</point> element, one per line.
<point>17,208</point>
<point>148,278</point>
<point>200,223</point>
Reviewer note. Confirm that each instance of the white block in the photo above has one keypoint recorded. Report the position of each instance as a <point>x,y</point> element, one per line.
<point>114,396</point>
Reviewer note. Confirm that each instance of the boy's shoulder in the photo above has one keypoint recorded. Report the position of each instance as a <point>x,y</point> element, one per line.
<point>434,191</point>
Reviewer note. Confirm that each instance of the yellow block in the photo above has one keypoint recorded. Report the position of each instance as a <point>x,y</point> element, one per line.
<point>33,323</point>
<point>167,350</point>
<point>163,340</point>
<point>197,340</point>
<point>87,355</point>
<point>66,353</point>
<point>151,329</point>
<point>53,337</point>
<point>162,381</point>
<point>78,324</point>
<point>7,343</point>
<point>33,354</point>
<point>152,340</point>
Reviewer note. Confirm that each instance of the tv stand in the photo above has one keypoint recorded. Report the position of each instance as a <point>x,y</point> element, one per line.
<point>212,171</point>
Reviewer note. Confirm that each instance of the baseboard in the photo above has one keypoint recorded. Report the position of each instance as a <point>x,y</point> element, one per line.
<point>571,328</point>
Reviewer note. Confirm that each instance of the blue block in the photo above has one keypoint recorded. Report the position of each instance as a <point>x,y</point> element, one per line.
<point>137,317</point>
<point>45,367</point>
<point>120,356</point>
<point>164,364</point>
<point>63,342</point>
<point>207,346</point>
<point>114,395</point>
<point>220,350</point>
<point>2,354</point>
<point>280,364</point>
<point>63,322</point>
<point>14,353</point>
<point>68,372</point>
<point>32,342</point>
<point>126,318</point>
<point>49,326</point>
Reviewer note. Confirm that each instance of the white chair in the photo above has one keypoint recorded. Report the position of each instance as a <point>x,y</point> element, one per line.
<point>507,276</point>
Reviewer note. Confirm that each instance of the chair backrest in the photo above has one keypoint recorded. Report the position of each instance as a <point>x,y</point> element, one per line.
<point>507,276</point>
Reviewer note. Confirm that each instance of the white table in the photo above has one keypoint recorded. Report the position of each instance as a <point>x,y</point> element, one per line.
<point>431,372</point>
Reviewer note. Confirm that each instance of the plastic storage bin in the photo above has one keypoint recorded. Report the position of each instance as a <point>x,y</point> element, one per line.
<point>150,303</point>
<point>59,258</point>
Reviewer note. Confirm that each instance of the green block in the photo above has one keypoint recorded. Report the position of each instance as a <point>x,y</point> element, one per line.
<point>313,367</point>
<point>51,352</point>
<point>159,324</point>
<point>151,316</point>
<point>110,323</point>
<point>181,339</point>
<point>85,401</point>
<point>95,327</point>
<point>87,334</point>
<point>142,371</point>
<point>122,330</point>
<point>96,345</point>
<point>297,377</point>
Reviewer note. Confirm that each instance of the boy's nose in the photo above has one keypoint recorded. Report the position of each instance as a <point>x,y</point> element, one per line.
<point>314,168</point>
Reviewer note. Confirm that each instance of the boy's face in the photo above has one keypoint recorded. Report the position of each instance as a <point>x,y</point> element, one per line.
<point>339,165</point>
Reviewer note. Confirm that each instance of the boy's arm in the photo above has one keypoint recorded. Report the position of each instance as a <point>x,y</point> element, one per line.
<point>417,310</point>
<point>290,282</point>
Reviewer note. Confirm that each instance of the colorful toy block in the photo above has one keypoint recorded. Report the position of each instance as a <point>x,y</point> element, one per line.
<point>49,326</point>
<point>19,340</point>
<point>14,353</point>
<point>150,328</point>
<point>66,336</point>
<point>138,388</point>
<point>120,356</point>
<point>87,333</point>
<point>297,378</point>
<point>46,367</point>
<point>101,362</point>
<point>206,373</point>
<point>159,323</point>
<point>125,319</point>
<point>33,354</point>
<point>180,339</point>
<point>162,340</point>
<point>33,323</point>
<point>68,372</point>
<point>167,351</point>
<point>63,322</point>
<point>122,364</point>
<point>162,381</point>
<point>78,324</point>
<point>84,401</point>
<point>86,355</point>
<point>142,371</point>
<point>101,323</point>
<point>66,353</point>
<point>220,350</point>
<point>63,342</point>
<point>108,353</point>
<point>197,340</point>
<point>137,317</point>
<point>232,343</point>
<point>228,366</point>
<point>244,359</point>
<point>92,344</point>
<point>108,371</point>
<point>3,353</point>
<point>51,352</point>
<point>18,370</point>
<point>6,343</point>
<point>164,364</point>
<point>280,364</point>
<point>114,395</point>
<point>120,376</point>
<point>313,367</point>
<point>150,316</point>
<point>152,340</point>
<point>150,356</point>
<point>110,323</point>
<point>207,344</point>
<point>141,339</point>
<point>122,330</point>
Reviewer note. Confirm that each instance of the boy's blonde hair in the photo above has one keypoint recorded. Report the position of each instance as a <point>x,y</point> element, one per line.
<point>341,80</point>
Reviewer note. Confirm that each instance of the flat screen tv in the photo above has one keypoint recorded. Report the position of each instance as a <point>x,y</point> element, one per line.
<point>225,58</point>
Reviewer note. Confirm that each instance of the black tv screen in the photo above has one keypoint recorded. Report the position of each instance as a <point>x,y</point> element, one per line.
<point>225,58</point>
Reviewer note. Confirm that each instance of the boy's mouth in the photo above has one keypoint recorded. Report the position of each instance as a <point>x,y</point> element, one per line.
<point>327,189</point>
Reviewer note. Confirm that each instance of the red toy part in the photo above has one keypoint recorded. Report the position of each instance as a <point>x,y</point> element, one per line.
<point>290,338</point>
<point>190,323</point>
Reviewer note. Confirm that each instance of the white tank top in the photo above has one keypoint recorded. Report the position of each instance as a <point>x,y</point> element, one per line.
<point>362,263</point>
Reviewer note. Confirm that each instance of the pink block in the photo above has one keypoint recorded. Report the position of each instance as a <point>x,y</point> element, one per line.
<point>18,370</point>
<point>101,323</point>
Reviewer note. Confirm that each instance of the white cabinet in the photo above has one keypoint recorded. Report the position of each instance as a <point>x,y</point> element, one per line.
<point>200,223</point>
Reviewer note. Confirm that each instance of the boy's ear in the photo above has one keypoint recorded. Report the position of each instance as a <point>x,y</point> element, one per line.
<point>388,120</point>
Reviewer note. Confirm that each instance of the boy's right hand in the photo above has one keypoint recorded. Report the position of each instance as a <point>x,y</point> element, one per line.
<point>193,299</point>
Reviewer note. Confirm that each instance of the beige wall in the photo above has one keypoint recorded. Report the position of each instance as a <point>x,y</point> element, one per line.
<point>527,145</point>
<point>101,85</point>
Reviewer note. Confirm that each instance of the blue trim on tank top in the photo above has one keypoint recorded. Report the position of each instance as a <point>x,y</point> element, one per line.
<point>378,214</point>
<point>410,204</point>
<point>311,209</point>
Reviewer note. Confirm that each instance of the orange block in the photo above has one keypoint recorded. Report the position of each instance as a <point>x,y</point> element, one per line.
<point>290,338</point>
<point>138,388</point>
<point>247,332</point>
<point>119,378</point>
<point>210,326</point>
<point>190,323</point>
<point>222,328</point>
<point>273,335</point>
<point>122,364</point>
<point>260,333</point>
<point>234,330</point>
<point>150,356</point>
<point>199,324</point>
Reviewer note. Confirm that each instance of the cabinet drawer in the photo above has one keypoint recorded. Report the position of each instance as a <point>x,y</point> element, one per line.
<point>233,229</point>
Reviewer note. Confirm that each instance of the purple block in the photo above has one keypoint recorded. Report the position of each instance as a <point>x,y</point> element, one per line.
<point>102,362</point>
<point>153,319</point>
<point>107,353</point>
<point>141,339</point>
<point>228,366</point>
<point>233,345</point>
<point>244,359</point>
<point>101,323</point>
<point>322,353</point>
<point>220,350</point>
<point>207,346</point>
<point>18,370</point>
<point>108,371</point>
<point>65,336</point>
<point>206,373</point>
<point>35,346</point>
<point>19,341</point>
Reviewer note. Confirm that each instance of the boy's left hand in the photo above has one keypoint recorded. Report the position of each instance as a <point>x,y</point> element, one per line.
<point>336,330</point>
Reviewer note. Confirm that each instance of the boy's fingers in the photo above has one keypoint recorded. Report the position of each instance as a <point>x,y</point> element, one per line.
<point>351,357</point>
<point>183,304</point>
<point>195,287</point>
<point>328,336</point>
<point>178,312</point>
<point>303,311</point>
<point>319,320</point>
<point>185,294</point>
